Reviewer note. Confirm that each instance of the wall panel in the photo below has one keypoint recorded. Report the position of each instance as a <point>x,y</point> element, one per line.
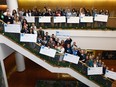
<point>100,4</point>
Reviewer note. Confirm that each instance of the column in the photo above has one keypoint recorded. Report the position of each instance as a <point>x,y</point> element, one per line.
<point>5,83</point>
<point>12,4</point>
<point>20,62</point>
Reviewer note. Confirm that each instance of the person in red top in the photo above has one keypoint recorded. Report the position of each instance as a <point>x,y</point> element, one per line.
<point>58,13</point>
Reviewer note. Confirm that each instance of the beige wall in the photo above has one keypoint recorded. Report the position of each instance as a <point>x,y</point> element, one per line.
<point>3,7</point>
<point>100,4</point>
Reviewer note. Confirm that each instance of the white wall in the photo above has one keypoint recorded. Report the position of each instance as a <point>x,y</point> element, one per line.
<point>92,39</point>
<point>5,51</point>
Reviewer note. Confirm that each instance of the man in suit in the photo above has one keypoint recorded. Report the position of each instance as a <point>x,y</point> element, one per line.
<point>8,19</point>
<point>40,32</point>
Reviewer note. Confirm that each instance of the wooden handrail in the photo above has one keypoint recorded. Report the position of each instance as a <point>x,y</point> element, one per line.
<point>2,21</point>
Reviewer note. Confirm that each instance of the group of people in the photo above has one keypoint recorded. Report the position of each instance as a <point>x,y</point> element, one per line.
<point>109,55</point>
<point>62,46</point>
<point>46,11</point>
<point>9,18</point>
<point>67,46</point>
<point>17,16</point>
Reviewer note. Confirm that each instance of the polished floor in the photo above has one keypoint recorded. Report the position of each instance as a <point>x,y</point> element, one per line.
<point>29,77</point>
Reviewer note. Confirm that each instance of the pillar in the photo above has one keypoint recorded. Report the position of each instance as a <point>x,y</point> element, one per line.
<point>20,63</point>
<point>12,4</point>
<point>4,79</point>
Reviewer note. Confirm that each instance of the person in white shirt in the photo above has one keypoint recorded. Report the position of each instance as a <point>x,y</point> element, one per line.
<point>29,13</point>
<point>95,64</point>
<point>57,47</point>
<point>68,13</point>
<point>74,45</point>
<point>7,12</point>
<point>33,26</point>
<point>62,50</point>
<point>81,15</point>
<point>16,20</point>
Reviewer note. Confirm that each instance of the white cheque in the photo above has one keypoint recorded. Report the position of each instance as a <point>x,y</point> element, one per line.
<point>101,18</point>
<point>88,19</point>
<point>95,70</point>
<point>47,51</point>
<point>110,74</point>
<point>44,19</point>
<point>28,37</point>
<point>30,19</point>
<point>59,19</point>
<point>71,58</point>
<point>73,20</point>
<point>62,33</point>
<point>12,28</point>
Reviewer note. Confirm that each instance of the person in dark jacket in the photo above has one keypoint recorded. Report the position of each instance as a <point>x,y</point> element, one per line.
<point>8,19</point>
<point>68,41</point>
<point>68,49</point>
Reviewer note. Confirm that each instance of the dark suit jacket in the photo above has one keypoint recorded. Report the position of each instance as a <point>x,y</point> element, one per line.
<point>8,19</point>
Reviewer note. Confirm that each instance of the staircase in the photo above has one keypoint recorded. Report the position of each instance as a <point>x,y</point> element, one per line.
<point>78,71</point>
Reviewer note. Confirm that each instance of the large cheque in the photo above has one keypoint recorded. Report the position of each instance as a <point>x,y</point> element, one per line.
<point>28,37</point>
<point>71,58</point>
<point>59,19</point>
<point>73,20</point>
<point>44,19</point>
<point>47,51</point>
<point>30,19</point>
<point>62,33</point>
<point>95,70</point>
<point>88,19</point>
<point>101,18</point>
<point>12,28</point>
<point>110,74</point>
